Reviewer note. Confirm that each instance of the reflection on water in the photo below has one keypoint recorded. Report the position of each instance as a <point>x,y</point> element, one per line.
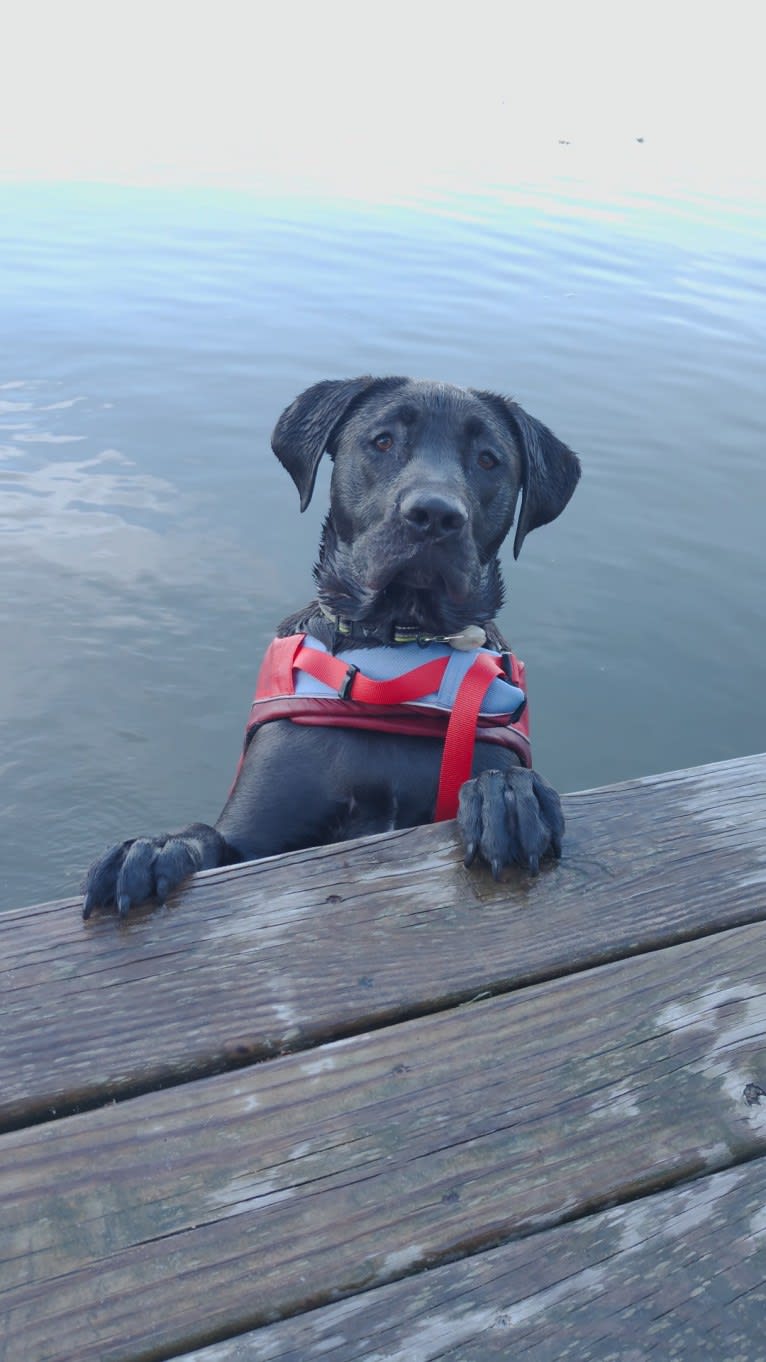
<point>149,542</point>
<point>99,509</point>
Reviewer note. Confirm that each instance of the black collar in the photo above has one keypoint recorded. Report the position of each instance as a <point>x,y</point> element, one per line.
<point>346,631</point>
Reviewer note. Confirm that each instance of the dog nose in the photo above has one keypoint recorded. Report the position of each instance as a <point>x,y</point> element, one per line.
<point>433,515</point>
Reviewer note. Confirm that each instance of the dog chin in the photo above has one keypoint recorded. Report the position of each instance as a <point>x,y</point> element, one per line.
<point>456,587</point>
<point>407,581</point>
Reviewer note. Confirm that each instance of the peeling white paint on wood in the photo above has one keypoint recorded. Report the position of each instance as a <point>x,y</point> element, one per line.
<point>699,1011</point>
<point>589,1282</point>
<point>620,1104</point>
<point>721,797</point>
<point>312,1068</point>
<point>246,1194</point>
<point>758,1223</point>
<point>716,1156</point>
<point>693,1206</point>
<point>441,1332</point>
<point>395,1263</point>
<point>733,1017</point>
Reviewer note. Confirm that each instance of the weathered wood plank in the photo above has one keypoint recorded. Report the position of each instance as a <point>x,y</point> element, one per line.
<point>679,1276</point>
<point>285,953</point>
<point>196,1213</point>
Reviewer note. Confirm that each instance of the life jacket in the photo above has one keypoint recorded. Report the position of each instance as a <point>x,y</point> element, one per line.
<point>426,690</point>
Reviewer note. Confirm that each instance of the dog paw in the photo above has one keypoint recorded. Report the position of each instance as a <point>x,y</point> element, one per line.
<point>150,868</point>
<point>510,817</point>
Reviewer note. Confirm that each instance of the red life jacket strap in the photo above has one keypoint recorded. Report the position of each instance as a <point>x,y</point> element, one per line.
<point>351,684</point>
<point>457,758</point>
<point>276,674</point>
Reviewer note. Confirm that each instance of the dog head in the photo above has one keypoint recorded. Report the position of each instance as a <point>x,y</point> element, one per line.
<point>425,485</point>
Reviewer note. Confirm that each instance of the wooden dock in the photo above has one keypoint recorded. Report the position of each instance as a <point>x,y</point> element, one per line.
<point>360,1103</point>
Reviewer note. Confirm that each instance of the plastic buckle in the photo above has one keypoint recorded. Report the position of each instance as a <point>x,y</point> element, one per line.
<point>344,689</point>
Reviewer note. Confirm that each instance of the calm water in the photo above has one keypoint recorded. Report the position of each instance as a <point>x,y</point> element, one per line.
<point>149,542</point>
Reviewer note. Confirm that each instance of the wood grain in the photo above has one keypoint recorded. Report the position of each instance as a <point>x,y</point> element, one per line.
<point>287,953</point>
<point>185,1216</point>
<point>676,1276</point>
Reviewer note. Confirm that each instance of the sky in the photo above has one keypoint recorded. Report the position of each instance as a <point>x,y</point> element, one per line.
<point>381,98</point>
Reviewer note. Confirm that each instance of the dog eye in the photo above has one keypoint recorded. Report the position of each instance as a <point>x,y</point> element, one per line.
<point>384,441</point>
<point>487,459</point>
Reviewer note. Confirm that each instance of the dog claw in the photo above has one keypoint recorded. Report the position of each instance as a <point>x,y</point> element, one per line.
<point>87,907</point>
<point>123,905</point>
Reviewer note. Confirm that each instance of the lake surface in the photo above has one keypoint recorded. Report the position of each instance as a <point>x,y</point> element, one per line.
<point>150,542</point>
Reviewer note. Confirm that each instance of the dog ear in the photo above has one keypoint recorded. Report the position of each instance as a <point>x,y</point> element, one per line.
<point>550,470</point>
<point>305,430</point>
<point>551,473</point>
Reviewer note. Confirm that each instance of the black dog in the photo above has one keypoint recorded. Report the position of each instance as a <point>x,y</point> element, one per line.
<point>425,483</point>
